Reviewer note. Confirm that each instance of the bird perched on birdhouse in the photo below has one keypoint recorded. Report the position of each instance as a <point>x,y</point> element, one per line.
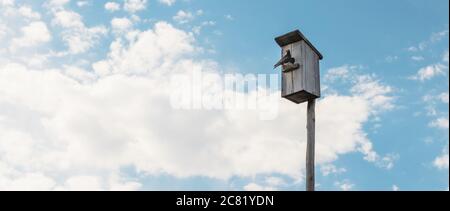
<point>286,59</point>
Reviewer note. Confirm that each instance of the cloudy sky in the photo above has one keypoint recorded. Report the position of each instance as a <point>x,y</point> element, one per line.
<point>86,102</point>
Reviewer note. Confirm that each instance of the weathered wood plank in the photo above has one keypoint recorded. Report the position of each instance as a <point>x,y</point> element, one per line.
<point>285,79</point>
<point>305,67</point>
<point>297,75</point>
<point>310,73</point>
<point>283,85</point>
<point>317,74</point>
<point>310,148</point>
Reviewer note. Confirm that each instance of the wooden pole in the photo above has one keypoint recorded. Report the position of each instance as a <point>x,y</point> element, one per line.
<point>310,148</point>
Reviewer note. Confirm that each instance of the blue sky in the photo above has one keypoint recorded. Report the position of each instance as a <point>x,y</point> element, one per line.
<point>384,77</point>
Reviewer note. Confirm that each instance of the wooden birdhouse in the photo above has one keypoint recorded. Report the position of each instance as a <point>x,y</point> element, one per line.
<point>300,65</point>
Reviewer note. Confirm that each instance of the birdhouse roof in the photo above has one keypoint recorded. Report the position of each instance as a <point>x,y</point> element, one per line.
<point>293,37</point>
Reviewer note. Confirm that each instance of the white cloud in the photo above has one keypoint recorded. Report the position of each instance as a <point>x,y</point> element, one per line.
<point>345,185</point>
<point>58,2</point>
<point>270,183</point>
<point>328,169</point>
<point>81,183</point>
<point>443,97</point>
<point>121,25</point>
<point>102,68</point>
<point>112,6</point>
<point>441,162</point>
<point>429,72</point>
<point>95,183</point>
<point>395,188</point>
<point>68,19</point>
<point>208,23</point>
<point>82,3</point>
<point>376,93</point>
<point>431,102</point>
<point>167,2</point>
<point>342,72</point>
<point>27,182</point>
<point>183,17</point>
<point>391,59</point>
<point>417,58</point>
<point>274,181</point>
<point>27,12</point>
<point>229,17</point>
<point>15,23</point>
<point>79,74</point>
<point>76,35</point>
<point>388,161</point>
<point>256,187</point>
<point>135,5</point>
<point>197,29</point>
<point>167,44</point>
<point>84,39</point>
<point>7,2</point>
<point>434,38</point>
<point>35,33</point>
<point>55,5</point>
<point>3,31</point>
<point>23,36</point>
<point>118,184</point>
<point>441,123</point>
<point>199,12</point>
<point>438,36</point>
<point>413,49</point>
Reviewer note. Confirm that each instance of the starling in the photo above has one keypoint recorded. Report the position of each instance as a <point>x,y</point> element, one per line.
<point>286,59</point>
